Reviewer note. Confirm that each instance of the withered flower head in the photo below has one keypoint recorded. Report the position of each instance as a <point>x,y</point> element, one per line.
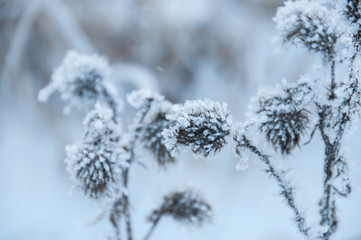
<point>185,206</point>
<point>352,10</point>
<point>202,125</point>
<point>282,116</point>
<point>95,163</point>
<point>153,123</point>
<point>310,24</point>
<point>80,79</point>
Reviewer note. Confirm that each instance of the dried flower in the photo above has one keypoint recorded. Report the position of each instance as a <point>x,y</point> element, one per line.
<point>310,24</point>
<point>96,162</point>
<point>282,115</point>
<point>153,123</point>
<point>81,81</point>
<point>186,207</point>
<point>203,125</point>
<point>352,10</point>
<point>154,141</point>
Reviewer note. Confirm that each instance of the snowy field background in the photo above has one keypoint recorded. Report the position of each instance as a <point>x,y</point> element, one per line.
<point>184,49</point>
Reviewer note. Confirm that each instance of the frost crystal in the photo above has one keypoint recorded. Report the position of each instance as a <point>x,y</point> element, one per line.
<point>310,24</point>
<point>81,81</point>
<point>186,207</point>
<point>95,163</point>
<point>203,125</point>
<point>282,115</point>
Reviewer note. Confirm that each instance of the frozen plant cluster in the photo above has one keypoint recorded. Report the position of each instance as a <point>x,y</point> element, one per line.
<point>99,164</point>
<point>282,117</point>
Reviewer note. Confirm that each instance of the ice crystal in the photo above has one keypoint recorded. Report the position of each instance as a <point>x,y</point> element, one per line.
<point>203,125</point>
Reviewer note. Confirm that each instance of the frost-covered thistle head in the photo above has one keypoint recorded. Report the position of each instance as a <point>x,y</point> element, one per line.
<point>282,116</point>
<point>95,163</point>
<point>352,10</point>
<point>353,14</point>
<point>81,81</point>
<point>153,123</point>
<point>310,24</point>
<point>203,125</point>
<point>185,206</point>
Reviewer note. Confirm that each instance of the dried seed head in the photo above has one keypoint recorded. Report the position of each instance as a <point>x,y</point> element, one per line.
<point>352,10</point>
<point>310,24</point>
<point>154,141</point>
<point>353,14</point>
<point>282,115</point>
<point>100,125</point>
<point>203,125</point>
<point>95,163</point>
<point>95,167</point>
<point>154,122</point>
<point>81,81</point>
<point>186,207</point>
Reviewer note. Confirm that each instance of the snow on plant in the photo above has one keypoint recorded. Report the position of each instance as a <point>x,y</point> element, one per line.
<point>310,24</point>
<point>99,164</point>
<point>82,81</point>
<point>204,126</point>
<point>184,206</point>
<point>283,115</point>
<point>150,134</point>
<point>286,116</point>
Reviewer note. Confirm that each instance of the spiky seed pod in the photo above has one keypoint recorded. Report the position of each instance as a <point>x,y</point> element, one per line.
<point>283,128</point>
<point>95,167</point>
<point>280,113</point>
<point>202,125</point>
<point>96,162</point>
<point>153,123</point>
<point>185,207</point>
<point>310,24</point>
<point>353,14</point>
<point>81,81</point>
<point>154,141</point>
<point>352,10</point>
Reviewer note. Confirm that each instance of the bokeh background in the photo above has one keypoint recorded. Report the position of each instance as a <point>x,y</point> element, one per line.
<point>184,49</point>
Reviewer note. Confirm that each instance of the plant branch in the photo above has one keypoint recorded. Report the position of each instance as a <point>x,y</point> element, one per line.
<point>287,190</point>
<point>155,223</point>
<point>333,81</point>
